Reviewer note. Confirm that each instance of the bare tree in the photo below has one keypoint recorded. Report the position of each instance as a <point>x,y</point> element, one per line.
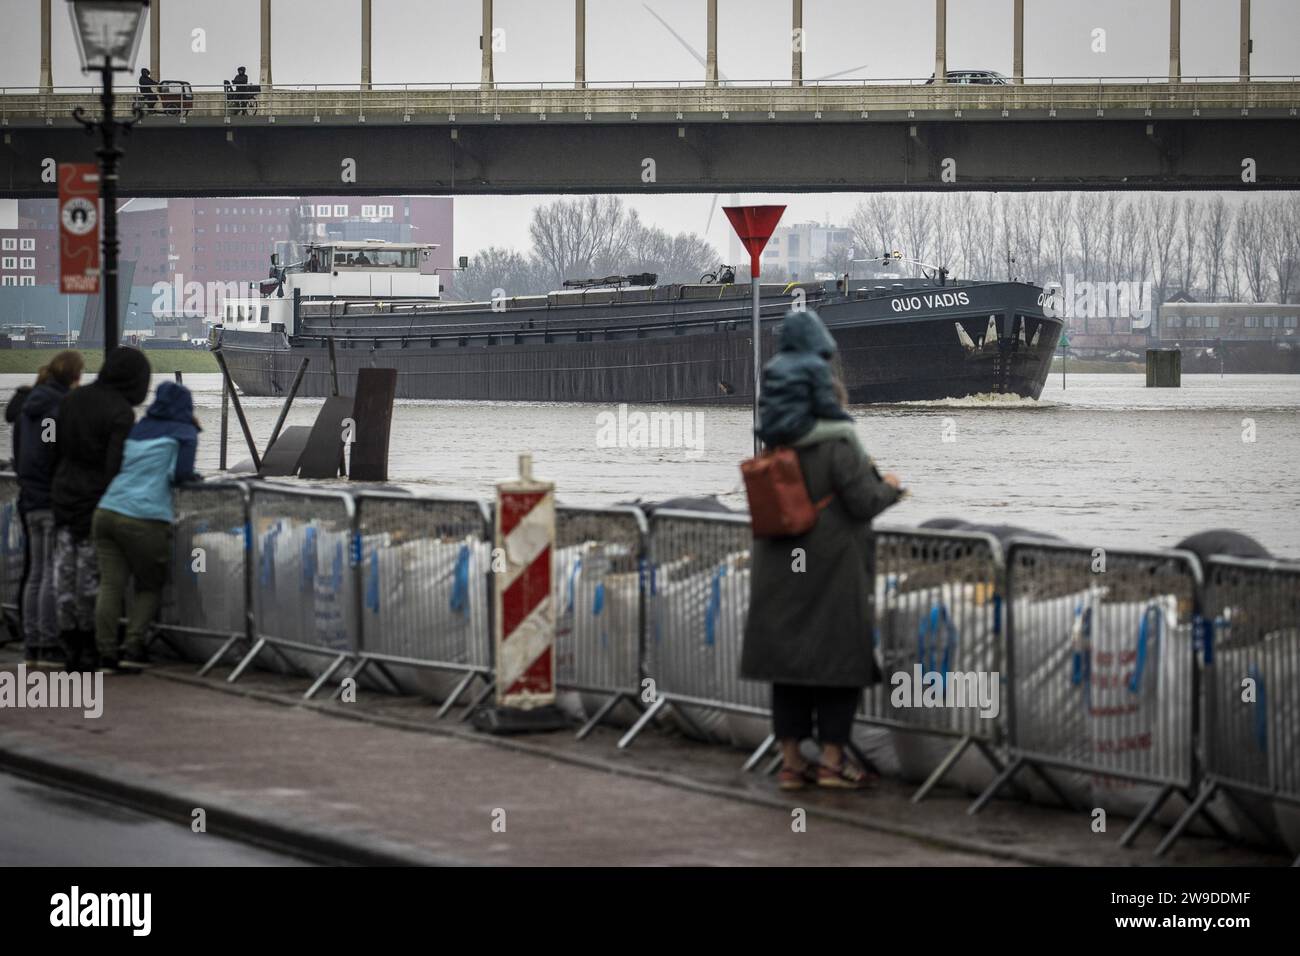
<point>1190,263</point>
<point>1216,224</point>
<point>966,223</point>
<point>495,268</point>
<point>942,238</point>
<point>573,238</point>
<point>1282,246</point>
<point>1060,232</point>
<point>1088,227</point>
<point>680,258</point>
<point>1248,247</point>
<point>1159,222</point>
<point>916,224</point>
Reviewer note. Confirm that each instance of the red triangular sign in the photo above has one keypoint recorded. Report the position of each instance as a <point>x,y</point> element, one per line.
<point>754,225</point>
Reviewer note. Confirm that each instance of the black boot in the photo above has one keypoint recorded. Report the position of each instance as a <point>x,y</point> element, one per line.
<point>88,652</point>
<point>71,641</point>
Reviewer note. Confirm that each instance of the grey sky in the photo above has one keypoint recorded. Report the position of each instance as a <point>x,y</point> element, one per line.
<point>436,41</point>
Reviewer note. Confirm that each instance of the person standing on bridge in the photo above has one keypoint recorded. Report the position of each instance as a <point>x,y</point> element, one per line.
<point>811,616</point>
<point>133,523</point>
<point>92,428</point>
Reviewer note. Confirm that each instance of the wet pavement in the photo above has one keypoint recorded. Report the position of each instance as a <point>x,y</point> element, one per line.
<point>392,776</point>
<point>49,826</point>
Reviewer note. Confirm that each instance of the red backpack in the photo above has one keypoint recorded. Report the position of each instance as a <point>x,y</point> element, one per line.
<point>779,504</point>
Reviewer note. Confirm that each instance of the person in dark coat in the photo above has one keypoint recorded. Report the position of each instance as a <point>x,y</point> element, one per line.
<point>811,617</point>
<point>148,91</point>
<point>12,411</point>
<point>35,433</point>
<point>93,425</point>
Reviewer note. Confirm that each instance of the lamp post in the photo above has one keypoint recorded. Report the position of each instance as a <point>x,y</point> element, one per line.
<point>108,35</point>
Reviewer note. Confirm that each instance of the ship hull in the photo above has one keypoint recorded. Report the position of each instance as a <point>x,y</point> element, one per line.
<point>883,357</point>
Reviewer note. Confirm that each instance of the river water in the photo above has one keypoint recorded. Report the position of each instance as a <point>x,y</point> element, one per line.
<point>1104,461</point>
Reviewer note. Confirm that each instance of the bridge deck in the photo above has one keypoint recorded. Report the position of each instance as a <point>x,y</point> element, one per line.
<point>886,102</point>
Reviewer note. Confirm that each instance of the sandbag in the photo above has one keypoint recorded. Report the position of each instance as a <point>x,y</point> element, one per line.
<point>427,599</point>
<point>597,622</point>
<point>943,628</point>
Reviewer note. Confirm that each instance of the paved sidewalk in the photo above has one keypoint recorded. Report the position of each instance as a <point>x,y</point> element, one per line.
<point>394,779</point>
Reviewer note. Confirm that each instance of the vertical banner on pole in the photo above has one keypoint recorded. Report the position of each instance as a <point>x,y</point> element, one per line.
<point>78,228</point>
<point>524,618</point>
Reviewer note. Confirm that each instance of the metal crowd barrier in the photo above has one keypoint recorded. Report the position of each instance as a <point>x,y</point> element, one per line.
<point>12,548</point>
<point>424,567</point>
<point>698,596</point>
<point>1101,658</point>
<point>207,593</point>
<point>305,598</point>
<point>1250,682</point>
<point>598,594</point>
<point>939,611</point>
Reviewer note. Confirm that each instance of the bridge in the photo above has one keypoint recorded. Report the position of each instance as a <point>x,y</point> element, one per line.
<point>700,135</point>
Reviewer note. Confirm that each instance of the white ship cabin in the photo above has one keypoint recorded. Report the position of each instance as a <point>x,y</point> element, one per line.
<point>369,270</point>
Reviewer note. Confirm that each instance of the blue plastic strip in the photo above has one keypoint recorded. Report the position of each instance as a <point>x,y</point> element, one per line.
<point>573,576</point>
<point>460,582</point>
<point>1144,632</point>
<point>927,637</point>
<point>1261,709</point>
<point>372,582</point>
<point>308,554</point>
<point>714,606</point>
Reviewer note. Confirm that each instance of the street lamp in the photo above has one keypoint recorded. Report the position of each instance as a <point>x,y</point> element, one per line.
<point>108,35</point>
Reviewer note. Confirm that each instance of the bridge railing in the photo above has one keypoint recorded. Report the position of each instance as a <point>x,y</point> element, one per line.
<point>685,97</point>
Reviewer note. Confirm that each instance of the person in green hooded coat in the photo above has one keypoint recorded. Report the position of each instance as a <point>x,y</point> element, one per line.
<point>811,615</point>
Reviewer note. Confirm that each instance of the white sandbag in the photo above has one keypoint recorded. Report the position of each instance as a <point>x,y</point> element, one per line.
<point>687,622</point>
<point>943,628</point>
<point>597,621</point>
<point>426,599</point>
<point>1137,690</point>
<point>1050,705</point>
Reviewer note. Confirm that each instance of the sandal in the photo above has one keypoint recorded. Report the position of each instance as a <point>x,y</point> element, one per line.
<point>790,779</point>
<point>844,777</point>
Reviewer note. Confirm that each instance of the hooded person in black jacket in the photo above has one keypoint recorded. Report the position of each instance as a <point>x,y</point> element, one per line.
<point>92,428</point>
<point>12,411</point>
<point>34,433</point>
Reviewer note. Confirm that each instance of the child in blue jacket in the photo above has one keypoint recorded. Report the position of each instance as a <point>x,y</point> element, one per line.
<point>132,526</point>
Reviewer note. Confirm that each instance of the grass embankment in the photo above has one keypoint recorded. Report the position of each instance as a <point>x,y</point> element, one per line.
<point>1085,366</point>
<point>163,361</point>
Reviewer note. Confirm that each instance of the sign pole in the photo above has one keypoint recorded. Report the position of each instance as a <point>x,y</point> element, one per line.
<point>754,226</point>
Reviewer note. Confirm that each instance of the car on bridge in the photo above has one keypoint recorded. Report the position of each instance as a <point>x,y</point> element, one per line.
<point>973,77</point>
